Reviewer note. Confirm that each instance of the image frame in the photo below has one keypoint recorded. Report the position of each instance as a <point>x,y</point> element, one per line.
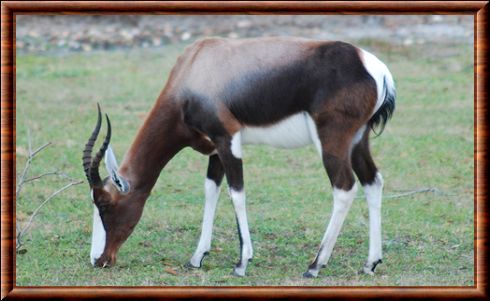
<point>9,10</point>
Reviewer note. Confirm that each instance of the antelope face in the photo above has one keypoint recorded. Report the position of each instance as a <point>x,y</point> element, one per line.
<point>115,216</point>
<point>117,209</point>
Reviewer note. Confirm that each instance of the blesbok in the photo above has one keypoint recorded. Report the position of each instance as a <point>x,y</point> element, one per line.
<point>221,94</point>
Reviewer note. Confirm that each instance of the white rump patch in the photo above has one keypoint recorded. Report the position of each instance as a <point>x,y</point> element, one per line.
<point>378,71</point>
<point>98,237</point>
<point>295,131</point>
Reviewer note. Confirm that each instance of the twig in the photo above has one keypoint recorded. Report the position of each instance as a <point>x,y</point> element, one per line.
<point>22,178</point>
<point>41,175</point>
<point>57,173</point>
<point>29,141</point>
<point>407,193</point>
<point>40,149</point>
<point>422,190</point>
<point>29,222</point>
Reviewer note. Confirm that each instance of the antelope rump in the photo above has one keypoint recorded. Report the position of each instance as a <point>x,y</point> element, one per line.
<point>222,94</point>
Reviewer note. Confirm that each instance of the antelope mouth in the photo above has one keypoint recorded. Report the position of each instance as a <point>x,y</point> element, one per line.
<point>105,262</point>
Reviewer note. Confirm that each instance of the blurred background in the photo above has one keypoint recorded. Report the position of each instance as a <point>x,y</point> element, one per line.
<point>88,33</point>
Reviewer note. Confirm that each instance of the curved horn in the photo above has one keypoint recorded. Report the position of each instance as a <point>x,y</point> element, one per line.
<point>87,152</point>
<point>94,166</point>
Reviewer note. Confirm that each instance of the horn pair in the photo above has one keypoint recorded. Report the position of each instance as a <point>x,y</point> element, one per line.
<point>91,165</point>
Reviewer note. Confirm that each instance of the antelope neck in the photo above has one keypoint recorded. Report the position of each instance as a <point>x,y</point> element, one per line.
<point>160,138</point>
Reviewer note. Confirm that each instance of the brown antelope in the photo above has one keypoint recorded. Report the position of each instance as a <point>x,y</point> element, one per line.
<point>221,94</point>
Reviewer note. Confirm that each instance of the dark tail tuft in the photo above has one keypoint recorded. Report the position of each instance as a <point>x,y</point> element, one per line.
<point>385,111</point>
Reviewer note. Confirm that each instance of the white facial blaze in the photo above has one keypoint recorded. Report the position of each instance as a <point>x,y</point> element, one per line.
<point>98,237</point>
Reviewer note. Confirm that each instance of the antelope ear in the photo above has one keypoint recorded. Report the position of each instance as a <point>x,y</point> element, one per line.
<point>110,161</point>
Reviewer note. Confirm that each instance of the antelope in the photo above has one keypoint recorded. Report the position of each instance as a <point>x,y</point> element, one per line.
<point>224,93</point>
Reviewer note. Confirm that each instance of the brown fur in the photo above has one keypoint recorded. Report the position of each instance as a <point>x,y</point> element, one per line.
<point>204,70</point>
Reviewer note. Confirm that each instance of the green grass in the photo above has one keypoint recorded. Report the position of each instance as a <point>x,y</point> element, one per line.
<point>427,237</point>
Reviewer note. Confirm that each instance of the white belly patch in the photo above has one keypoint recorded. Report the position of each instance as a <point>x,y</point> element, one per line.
<point>292,132</point>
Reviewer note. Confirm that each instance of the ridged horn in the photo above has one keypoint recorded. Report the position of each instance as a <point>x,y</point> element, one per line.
<point>94,166</point>
<point>87,152</point>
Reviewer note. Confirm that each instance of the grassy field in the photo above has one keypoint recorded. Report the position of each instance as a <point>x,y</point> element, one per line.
<point>427,237</point>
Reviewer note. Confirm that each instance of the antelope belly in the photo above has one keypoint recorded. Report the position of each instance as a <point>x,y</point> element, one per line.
<point>292,132</point>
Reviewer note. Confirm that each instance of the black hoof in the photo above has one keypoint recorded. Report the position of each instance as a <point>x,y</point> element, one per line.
<point>308,275</point>
<point>190,266</point>
<point>369,269</point>
<point>237,273</point>
<point>375,264</point>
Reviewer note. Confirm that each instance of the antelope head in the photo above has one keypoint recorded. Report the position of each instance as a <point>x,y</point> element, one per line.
<point>117,209</point>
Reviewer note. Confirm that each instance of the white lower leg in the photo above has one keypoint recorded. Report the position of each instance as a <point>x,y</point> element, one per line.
<point>373,194</point>
<point>238,198</point>
<point>211,192</point>
<point>342,202</point>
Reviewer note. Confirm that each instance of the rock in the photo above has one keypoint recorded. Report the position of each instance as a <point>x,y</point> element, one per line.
<point>244,23</point>
<point>156,42</point>
<point>186,36</point>
<point>233,35</point>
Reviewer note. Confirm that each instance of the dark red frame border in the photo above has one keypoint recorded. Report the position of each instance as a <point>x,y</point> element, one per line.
<point>479,9</point>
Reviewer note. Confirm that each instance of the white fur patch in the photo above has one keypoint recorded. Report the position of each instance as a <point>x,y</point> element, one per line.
<point>358,136</point>
<point>238,198</point>
<point>98,237</point>
<point>378,71</point>
<point>292,132</point>
<point>342,201</point>
<point>211,192</point>
<point>236,145</point>
<point>373,194</point>
<point>314,134</point>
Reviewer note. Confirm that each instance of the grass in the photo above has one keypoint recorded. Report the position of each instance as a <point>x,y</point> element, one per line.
<point>427,237</point>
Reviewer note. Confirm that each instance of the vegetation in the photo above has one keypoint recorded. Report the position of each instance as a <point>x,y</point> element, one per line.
<point>429,143</point>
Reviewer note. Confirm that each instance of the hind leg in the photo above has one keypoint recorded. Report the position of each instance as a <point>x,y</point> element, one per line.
<point>335,155</point>
<point>372,181</point>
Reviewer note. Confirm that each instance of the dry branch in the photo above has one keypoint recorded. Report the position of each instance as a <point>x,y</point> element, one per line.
<point>410,192</point>
<point>31,218</point>
<point>22,179</point>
